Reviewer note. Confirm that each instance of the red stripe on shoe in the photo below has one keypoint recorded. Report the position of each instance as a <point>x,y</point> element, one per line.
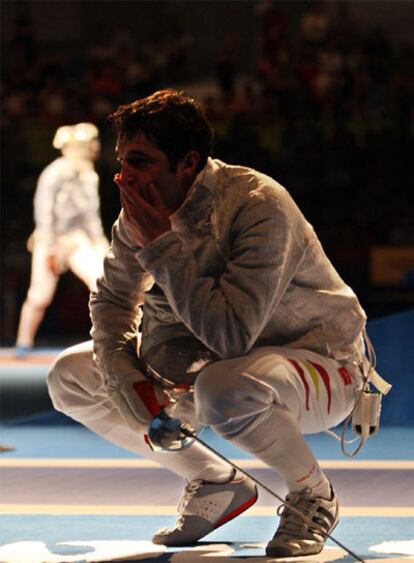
<point>303,378</point>
<point>236,512</point>
<point>326,380</point>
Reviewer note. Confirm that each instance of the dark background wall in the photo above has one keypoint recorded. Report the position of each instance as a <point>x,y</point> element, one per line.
<point>73,21</point>
<point>317,94</point>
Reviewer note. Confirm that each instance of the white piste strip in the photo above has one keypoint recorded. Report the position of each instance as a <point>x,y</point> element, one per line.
<point>371,464</point>
<point>151,510</point>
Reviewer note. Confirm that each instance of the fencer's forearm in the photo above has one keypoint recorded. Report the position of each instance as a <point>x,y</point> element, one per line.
<point>115,307</point>
<point>197,302</point>
<point>115,339</point>
<point>228,314</point>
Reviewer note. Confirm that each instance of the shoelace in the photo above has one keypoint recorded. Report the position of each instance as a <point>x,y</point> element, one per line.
<point>291,524</point>
<point>190,490</point>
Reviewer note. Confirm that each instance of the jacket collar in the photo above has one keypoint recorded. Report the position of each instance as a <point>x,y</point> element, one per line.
<point>197,203</point>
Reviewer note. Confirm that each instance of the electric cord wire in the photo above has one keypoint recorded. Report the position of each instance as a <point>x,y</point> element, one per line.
<point>365,374</point>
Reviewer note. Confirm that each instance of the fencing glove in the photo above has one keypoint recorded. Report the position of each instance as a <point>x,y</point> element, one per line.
<point>138,399</point>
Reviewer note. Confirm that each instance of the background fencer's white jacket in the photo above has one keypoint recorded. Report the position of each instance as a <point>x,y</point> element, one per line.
<point>240,268</point>
<point>66,202</point>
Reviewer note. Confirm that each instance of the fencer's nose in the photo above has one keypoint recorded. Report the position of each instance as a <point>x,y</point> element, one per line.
<point>126,177</point>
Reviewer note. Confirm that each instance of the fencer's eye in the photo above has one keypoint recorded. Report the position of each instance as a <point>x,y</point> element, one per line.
<point>137,162</point>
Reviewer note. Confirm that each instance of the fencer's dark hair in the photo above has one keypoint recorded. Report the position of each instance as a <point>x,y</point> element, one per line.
<point>171,120</point>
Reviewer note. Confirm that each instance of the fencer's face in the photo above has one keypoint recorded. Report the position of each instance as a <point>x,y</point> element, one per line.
<point>143,163</point>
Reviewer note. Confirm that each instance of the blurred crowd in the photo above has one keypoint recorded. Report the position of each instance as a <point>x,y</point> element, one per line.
<point>329,111</point>
<point>325,108</point>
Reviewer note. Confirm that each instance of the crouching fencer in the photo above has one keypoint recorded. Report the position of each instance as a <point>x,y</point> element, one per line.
<point>214,273</point>
<point>68,230</point>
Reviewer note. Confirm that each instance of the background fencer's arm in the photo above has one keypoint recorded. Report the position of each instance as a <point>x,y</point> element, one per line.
<point>44,205</point>
<point>93,221</point>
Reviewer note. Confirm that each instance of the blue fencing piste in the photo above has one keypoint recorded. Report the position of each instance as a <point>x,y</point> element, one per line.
<point>393,340</point>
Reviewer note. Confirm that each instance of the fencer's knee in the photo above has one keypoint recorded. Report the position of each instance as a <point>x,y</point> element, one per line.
<point>58,381</point>
<point>223,394</point>
<point>64,378</point>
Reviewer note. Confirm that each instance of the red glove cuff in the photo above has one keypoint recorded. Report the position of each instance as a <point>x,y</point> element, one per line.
<point>146,392</point>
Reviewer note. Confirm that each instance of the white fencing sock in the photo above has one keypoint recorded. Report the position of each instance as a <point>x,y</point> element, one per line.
<point>276,440</point>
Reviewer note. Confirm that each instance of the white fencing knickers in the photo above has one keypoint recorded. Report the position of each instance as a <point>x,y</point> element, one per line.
<point>77,388</point>
<point>265,401</point>
<point>262,402</point>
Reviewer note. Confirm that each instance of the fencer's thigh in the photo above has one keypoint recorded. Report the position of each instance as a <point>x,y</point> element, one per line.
<point>86,262</point>
<point>316,389</point>
<point>76,386</point>
<point>42,280</point>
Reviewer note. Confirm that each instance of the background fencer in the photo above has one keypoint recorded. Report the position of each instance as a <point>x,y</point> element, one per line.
<point>214,272</point>
<point>68,229</point>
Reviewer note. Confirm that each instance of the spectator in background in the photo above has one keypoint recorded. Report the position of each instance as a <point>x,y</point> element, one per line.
<point>68,230</point>
<point>226,68</point>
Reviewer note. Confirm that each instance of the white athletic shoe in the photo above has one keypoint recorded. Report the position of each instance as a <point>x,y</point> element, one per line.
<point>205,506</point>
<point>294,537</point>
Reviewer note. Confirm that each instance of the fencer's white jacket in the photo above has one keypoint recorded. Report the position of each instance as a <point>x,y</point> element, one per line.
<point>66,203</point>
<point>240,268</point>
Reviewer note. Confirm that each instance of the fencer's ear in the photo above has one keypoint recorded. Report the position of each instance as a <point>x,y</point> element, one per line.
<point>188,164</point>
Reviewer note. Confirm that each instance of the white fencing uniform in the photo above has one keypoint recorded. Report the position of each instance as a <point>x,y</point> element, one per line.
<point>243,272</point>
<point>67,226</point>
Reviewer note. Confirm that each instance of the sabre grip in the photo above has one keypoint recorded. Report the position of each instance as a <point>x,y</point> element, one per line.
<point>163,431</point>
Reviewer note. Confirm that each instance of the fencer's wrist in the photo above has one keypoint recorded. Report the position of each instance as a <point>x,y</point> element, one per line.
<point>163,397</point>
<point>121,391</point>
<point>138,397</point>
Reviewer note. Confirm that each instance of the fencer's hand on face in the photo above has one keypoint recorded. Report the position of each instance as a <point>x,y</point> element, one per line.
<point>145,213</point>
